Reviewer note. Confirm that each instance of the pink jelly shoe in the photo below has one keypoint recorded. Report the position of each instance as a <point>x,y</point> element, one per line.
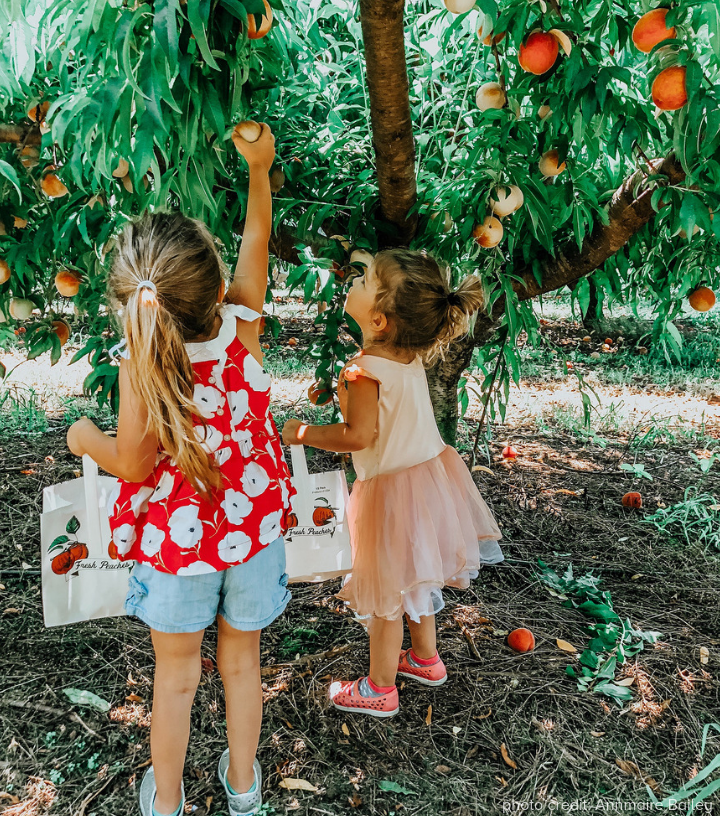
<point>347,697</point>
<point>428,673</point>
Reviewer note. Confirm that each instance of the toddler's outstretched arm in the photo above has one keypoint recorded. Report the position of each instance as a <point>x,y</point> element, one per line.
<point>249,283</point>
<point>357,432</point>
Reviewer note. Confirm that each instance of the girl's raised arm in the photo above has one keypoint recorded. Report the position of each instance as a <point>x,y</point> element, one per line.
<point>249,283</point>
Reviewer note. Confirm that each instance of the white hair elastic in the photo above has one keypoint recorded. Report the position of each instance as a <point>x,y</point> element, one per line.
<point>147,284</point>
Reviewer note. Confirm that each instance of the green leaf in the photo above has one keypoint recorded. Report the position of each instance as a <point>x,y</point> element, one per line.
<point>198,29</point>
<point>87,698</point>
<point>8,171</point>
<point>393,787</point>
<point>165,28</point>
<point>58,542</point>
<point>72,526</point>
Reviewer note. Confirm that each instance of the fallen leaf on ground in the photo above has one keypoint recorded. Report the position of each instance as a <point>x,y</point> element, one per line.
<point>597,733</point>
<point>443,769</point>
<point>456,730</point>
<point>626,681</point>
<point>483,468</point>
<point>631,769</point>
<point>565,646</point>
<point>506,756</point>
<point>291,783</point>
<point>86,698</point>
<point>483,716</point>
<point>704,654</point>
<point>393,787</point>
<point>134,698</point>
<point>636,576</point>
<point>345,729</point>
<point>428,718</point>
<point>355,800</point>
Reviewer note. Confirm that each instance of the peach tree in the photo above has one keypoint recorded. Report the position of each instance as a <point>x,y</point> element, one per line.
<point>538,145</point>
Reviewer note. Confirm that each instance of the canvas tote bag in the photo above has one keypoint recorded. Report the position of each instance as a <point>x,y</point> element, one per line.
<point>81,576</point>
<point>317,543</point>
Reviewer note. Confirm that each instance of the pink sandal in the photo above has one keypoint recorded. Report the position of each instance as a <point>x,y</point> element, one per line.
<point>429,673</point>
<point>347,697</point>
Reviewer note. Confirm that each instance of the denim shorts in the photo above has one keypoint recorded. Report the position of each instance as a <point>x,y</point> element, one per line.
<point>248,596</point>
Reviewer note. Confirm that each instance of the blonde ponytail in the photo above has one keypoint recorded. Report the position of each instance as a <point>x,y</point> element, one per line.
<point>424,315</point>
<point>166,276</point>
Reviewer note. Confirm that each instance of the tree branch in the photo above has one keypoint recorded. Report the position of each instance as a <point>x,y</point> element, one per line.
<point>387,80</point>
<point>20,134</point>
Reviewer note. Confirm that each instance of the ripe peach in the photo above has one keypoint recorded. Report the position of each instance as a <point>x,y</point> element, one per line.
<point>490,39</point>
<point>255,33</point>
<point>19,223</point>
<point>632,500</point>
<point>21,308</point>
<point>459,6</point>
<point>489,233</point>
<point>508,452</point>
<point>447,222</point>
<point>544,111</point>
<point>293,341</point>
<point>29,157</point>
<point>550,164</point>
<point>490,96</point>
<point>62,329</point>
<point>521,640</point>
<point>53,187</point>
<point>67,283</point>
<point>702,299</point>
<point>538,53</point>
<point>4,272</point>
<point>506,200</point>
<point>249,130</point>
<point>650,29</point>
<point>669,91</point>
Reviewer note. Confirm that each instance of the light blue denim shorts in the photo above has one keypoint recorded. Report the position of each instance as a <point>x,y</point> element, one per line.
<point>248,596</point>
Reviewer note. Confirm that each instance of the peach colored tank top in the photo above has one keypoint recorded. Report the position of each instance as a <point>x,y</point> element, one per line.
<point>407,433</point>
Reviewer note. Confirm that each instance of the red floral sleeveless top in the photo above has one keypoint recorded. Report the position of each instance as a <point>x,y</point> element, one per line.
<point>163,522</point>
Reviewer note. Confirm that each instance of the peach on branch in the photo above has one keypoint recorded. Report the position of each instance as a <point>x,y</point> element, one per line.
<point>506,200</point>
<point>490,96</point>
<point>489,233</point>
<point>255,33</point>
<point>650,29</point>
<point>550,164</point>
<point>669,91</point>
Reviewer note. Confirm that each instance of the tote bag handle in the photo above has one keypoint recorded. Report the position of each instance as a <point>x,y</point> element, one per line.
<point>301,480</point>
<point>92,507</point>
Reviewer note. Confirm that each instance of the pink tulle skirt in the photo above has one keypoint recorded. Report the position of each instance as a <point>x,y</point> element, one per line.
<point>414,532</point>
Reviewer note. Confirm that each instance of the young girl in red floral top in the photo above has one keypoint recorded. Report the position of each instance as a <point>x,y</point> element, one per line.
<point>203,488</point>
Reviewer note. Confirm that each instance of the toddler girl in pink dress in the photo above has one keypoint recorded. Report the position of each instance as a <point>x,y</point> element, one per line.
<point>416,519</point>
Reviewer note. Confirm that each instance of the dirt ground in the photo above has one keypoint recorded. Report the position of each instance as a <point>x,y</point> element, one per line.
<point>509,733</point>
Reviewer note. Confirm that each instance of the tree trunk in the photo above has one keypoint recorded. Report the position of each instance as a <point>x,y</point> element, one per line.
<point>383,29</point>
<point>20,134</point>
<point>443,380</point>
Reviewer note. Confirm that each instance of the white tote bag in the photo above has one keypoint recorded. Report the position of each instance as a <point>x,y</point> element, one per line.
<point>317,548</point>
<point>81,576</point>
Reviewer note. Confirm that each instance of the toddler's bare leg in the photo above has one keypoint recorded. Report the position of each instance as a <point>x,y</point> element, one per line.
<point>386,637</point>
<point>423,637</point>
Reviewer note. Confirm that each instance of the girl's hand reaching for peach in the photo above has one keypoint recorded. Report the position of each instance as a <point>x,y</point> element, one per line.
<point>259,153</point>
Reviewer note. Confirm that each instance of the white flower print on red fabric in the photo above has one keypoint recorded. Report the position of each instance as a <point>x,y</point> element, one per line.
<point>210,438</point>
<point>239,405</point>
<point>245,442</point>
<point>152,540</point>
<point>217,374</point>
<point>236,506</point>
<point>255,376</point>
<point>163,488</point>
<point>270,527</point>
<point>138,503</point>
<point>208,399</point>
<point>123,538</point>
<point>185,527</point>
<point>254,479</point>
<point>222,455</point>
<point>113,497</point>
<point>196,568</point>
<point>235,547</point>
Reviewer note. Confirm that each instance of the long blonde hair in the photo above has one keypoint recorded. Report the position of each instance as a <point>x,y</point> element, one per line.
<point>166,274</point>
<point>424,314</point>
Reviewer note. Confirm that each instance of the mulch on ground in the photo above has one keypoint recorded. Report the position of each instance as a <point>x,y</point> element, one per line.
<point>508,732</point>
